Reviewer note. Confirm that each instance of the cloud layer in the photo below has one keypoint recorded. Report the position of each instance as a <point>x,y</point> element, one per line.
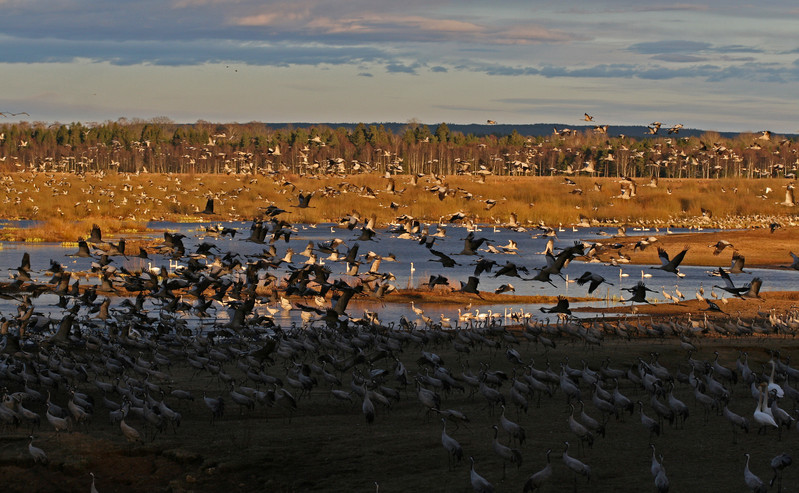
<point>700,51</point>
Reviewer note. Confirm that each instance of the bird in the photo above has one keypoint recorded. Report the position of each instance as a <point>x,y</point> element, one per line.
<point>479,483</point>
<point>649,423</point>
<point>639,293</point>
<point>453,448</point>
<point>674,129</point>
<point>593,278</point>
<point>514,430</point>
<point>654,466</point>
<point>670,265</point>
<point>514,456</point>
<point>579,429</point>
<point>754,483</point>
<point>772,386</point>
<point>737,421</point>
<point>368,407</point>
<point>778,464</point>
<point>304,200</point>
<point>659,473</point>
<point>446,260</point>
<point>93,488</point>
<point>561,307</point>
<point>504,288</point>
<point>761,416</point>
<point>587,117</point>
<point>795,261</point>
<point>209,207</point>
<point>577,466</point>
<point>751,290</point>
<point>719,246</point>
<point>789,197</point>
<point>537,479</point>
<point>470,286</point>
<point>131,434</point>
<point>39,456</point>
<point>96,235</point>
<point>738,261</point>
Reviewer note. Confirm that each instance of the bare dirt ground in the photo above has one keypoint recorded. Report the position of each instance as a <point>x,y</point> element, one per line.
<point>760,246</point>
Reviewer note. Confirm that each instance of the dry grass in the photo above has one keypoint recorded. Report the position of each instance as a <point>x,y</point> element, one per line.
<point>63,230</point>
<point>136,199</point>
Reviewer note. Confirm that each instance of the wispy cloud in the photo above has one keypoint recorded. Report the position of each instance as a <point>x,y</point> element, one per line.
<point>300,19</point>
<point>679,58</point>
<point>669,46</point>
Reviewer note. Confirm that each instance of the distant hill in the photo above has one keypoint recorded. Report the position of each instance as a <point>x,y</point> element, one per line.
<point>534,129</point>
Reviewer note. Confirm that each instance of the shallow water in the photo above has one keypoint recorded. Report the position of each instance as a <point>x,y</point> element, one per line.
<point>410,253</point>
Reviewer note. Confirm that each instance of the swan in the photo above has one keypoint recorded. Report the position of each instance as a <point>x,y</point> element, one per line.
<point>773,387</point>
<point>762,417</point>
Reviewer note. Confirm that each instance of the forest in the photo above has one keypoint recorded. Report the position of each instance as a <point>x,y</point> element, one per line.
<point>159,145</point>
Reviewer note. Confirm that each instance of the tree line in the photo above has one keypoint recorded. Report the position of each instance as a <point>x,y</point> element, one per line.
<point>160,145</point>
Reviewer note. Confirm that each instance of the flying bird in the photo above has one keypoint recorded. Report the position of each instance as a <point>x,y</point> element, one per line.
<point>751,290</point>
<point>561,307</point>
<point>639,293</point>
<point>670,265</point>
<point>720,246</point>
<point>594,279</point>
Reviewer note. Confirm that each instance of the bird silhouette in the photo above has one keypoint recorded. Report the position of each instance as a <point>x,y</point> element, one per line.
<point>561,307</point>
<point>670,265</point>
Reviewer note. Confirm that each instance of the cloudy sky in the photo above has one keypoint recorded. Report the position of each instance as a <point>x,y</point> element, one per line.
<point>721,65</point>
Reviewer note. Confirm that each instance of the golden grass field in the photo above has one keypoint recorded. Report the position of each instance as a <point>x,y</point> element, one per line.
<point>68,204</point>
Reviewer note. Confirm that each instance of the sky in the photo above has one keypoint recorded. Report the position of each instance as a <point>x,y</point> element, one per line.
<point>716,65</point>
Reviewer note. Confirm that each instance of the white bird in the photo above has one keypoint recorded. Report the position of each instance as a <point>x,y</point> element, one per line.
<point>93,488</point>
<point>761,415</point>
<point>774,387</point>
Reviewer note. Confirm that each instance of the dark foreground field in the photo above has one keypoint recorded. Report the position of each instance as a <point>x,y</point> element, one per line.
<point>326,444</point>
